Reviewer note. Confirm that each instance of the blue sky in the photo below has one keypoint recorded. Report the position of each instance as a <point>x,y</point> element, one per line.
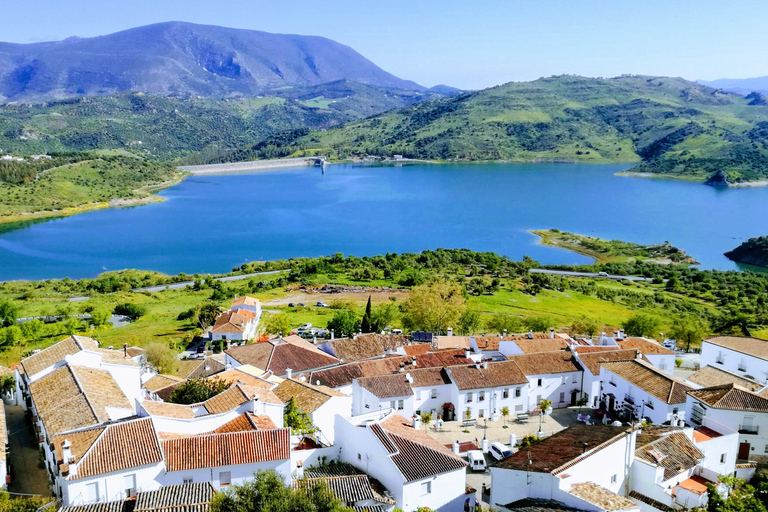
<point>468,44</point>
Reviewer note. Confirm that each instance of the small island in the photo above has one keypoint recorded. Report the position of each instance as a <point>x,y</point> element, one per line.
<point>752,252</point>
<point>608,251</point>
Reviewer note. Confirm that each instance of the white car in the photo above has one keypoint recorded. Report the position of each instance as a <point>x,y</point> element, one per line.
<point>476,460</point>
<point>305,327</point>
<point>499,451</point>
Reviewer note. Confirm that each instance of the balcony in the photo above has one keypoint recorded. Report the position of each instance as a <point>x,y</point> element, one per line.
<point>719,360</point>
<point>742,368</point>
<point>629,399</point>
<point>748,429</point>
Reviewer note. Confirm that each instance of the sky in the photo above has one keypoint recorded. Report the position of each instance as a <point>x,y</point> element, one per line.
<point>466,44</point>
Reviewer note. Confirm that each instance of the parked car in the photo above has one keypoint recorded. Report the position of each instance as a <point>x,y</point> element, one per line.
<point>397,331</point>
<point>291,305</point>
<point>476,460</point>
<point>603,274</point>
<point>301,305</point>
<point>305,327</point>
<point>499,451</point>
<point>321,304</point>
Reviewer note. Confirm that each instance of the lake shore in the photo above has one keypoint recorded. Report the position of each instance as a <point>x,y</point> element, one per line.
<point>255,165</point>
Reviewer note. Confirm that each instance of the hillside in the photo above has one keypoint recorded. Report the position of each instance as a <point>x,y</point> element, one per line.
<point>752,252</point>
<point>171,127</point>
<point>740,85</point>
<point>178,58</point>
<point>668,125</point>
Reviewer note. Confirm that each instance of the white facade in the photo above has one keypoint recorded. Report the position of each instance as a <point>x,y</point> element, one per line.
<point>222,477</point>
<point>562,389</point>
<point>738,363</point>
<point>110,486</point>
<point>645,405</point>
<point>324,417</point>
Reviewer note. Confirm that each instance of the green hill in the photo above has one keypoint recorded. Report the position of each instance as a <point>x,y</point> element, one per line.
<point>752,252</point>
<point>668,125</point>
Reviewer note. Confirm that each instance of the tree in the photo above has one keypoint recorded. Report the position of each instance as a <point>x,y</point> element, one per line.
<point>32,329</point>
<point>100,316</point>
<point>21,504</point>
<point>72,325</point>
<point>162,358</point>
<point>298,421</point>
<point>279,323</point>
<point>538,323</point>
<point>365,323</point>
<point>268,492</point>
<point>585,325</point>
<point>469,322</point>
<point>131,310</point>
<point>7,383</point>
<point>382,316</point>
<point>9,312</point>
<point>344,323</point>
<point>689,329</point>
<point>505,413</point>
<point>673,284</point>
<point>197,390</point>
<point>742,497</point>
<point>641,325</point>
<point>425,419</point>
<point>434,306</point>
<point>501,322</point>
<point>205,315</point>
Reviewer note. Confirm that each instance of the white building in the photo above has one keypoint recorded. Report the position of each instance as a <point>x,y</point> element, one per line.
<point>320,403</point>
<point>554,376</point>
<point>484,390</point>
<point>642,390</point>
<point>591,359</point>
<point>660,357</point>
<point>743,356</point>
<point>582,467</point>
<point>247,303</point>
<point>279,355</point>
<point>239,325</point>
<point>417,470</point>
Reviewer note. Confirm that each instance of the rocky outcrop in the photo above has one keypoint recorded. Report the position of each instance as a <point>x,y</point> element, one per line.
<point>752,252</point>
<point>719,179</point>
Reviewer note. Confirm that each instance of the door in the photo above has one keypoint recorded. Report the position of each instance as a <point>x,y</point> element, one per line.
<point>574,394</point>
<point>744,451</point>
<point>611,403</point>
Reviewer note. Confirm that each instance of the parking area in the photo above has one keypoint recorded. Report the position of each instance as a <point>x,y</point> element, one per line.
<point>24,455</point>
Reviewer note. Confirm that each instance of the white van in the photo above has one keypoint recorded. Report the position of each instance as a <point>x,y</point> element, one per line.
<point>476,460</point>
<point>499,451</point>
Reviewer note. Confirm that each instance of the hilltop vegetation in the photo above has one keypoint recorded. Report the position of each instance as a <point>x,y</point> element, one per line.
<point>668,125</point>
<point>752,252</point>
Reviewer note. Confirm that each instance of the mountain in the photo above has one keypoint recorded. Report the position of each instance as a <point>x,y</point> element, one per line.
<point>741,86</point>
<point>166,127</point>
<point>177,58</point>
<point>752,252</point>
<point>668,125</point>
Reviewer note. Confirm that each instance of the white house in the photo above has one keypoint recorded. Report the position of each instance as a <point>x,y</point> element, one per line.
<point>320,403</point>
<point>417,470</point>
<point>640,389</point>
<point>591,360</point>
<point>660,357</point>
<point>566,466</point>
<point>238,325</point>
<point>743,356</point>
<point>737,409</point>
<point>709,376</point>
<point>484,390</point>
<point>247,303</point>
<point>554,376</point>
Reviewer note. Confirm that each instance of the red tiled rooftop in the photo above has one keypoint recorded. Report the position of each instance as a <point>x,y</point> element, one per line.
<point>702,434</point>
<point>695,484</point>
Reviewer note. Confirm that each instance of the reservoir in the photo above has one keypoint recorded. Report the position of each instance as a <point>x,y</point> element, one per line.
<point>213,223</point>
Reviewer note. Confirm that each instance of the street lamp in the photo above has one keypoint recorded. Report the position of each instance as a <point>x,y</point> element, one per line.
<point>486,429</point>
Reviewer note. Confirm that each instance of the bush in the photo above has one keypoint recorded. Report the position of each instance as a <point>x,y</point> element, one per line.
<point>131,310</point>
<point>678,362</point>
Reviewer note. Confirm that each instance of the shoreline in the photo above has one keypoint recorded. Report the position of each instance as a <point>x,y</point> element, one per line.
<point>254,165</point>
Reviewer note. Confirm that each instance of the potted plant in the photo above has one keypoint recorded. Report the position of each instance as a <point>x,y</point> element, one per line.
<point>546,406</point>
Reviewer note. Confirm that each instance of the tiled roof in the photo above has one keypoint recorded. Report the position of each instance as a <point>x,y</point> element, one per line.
<point>280,354</point>
<point>730,396</point>
<point>499,374</point>
<point>110,506</point>
<point>601,497</point>
<point>710,376</point>
<point>746,345</point>
<point>546,363</point>
<point>674,452</point>
<point>229,449</point>
<point>135,351</point>
<point>256,354</point>
<point>366,346</point>
<point>642,498</point>
<point>80,442</point>
<point>416,349</point>
<point>398,424</point>
<point>168,410</point>
<point>492,342</point>
<point>416,461</point>
<point>226,400</point>
<point>650,379</point>
<point>538,505</point>
<point>563,449</point>
<point>233,322</point>
<point>195,368</point>
<point>344,374</point>
<point>536,346</point>
<point>387,386</point>
<point>109,356</point>
<point>56,353</point>
<point>245,301</point>
<point>349,489</point>
<point>73,397</point>
<point>307,397</point>
<point>160,381</point>
<point>192,497</point>
<point>334,468</point>
<point>446,357</point>
<point>592,360</point>
<point>584,349</point>
<point>429,377</point>
<point>235,375</point>
<point>121,446</point>
<point>451,342</point>
<point>696,484</point>
<point>643,345</point>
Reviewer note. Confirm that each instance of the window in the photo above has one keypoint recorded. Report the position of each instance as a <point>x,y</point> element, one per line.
<point>720,357</point>
<point>674,410</point>
<point>564,379</point>
<point>575,379</point>
<point>225,477</point>
<point>469,397</point>
<point>92,492</point>
<point>722,456</point>
<point>434,393</point>
<point>399,405</point>
<point>426,488</point>
<point>611,381</point>
<point>188,479</point>
<point>539,382</point>
<point>518,391</point>
<point>392,404</point>
<point>129,485</point>
<point>481,396</point>
<point>481,413</point>
<point>505,393</point>
<point>649,404</point>
<point>613,479</point>
<point>742,365</point>
<point>359,457</point>
<point>562,397</point>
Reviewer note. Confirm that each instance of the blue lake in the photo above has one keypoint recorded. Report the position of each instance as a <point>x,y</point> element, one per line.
<point>213,223</point>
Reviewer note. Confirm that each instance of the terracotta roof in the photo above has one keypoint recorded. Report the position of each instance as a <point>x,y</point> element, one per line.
<point>746,345</point>
<point>280,354</point>
<point>233,322</point>
<point>563,449</point>
<point>110,506</point>
<point>451,342</point>
<point>366,346</point>
<point>245,301</point>
<point>192,497</point>
<point>650,379</point>
<point>398,424</point>
<point>584,349</point>
<point>307,397</point>
<point>344,374</point>
<point>731,396</point>
<point>696,484</point>
<point>135,351</point>
<point>536,346</point>
<point>429,377</point>
<point>160,381</point>
<point>643,345</point>
<point>710,376</point>
<point>702,434</point>
<point>498,374</point>
<point>446,357</point>
<point>236,375</point>
<point>229,449</point>
<point>168,410</point>
<point>416,461</point>
<point>56,353</point>
<point>121,446</point>
<point>75,397</point>
<point>226,400</point>
<point>387,386</point>
<point>195,368</point>
<point>592,360</point>
<point>416,349</point>
<point>546,363</point>
<point>674,452</point>
<point>642,498</point>
<point>601,497</point>
<point>79,443</point>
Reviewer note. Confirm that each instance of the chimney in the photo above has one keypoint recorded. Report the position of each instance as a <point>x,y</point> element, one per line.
<point>504,334</point>
<point>529,335</point>
<point>229,366</point>
<point>584,447</point>
<point>332,336</point>
<point>466,353</point>
<point>317,383</point>
<point>485,365</point>
<point>409,378</point>
<point>551,333</point>
<point>449,331</point>
<point>288,373</point>
<point>125,350</point>
<point>456,447</point>
<point>66,452</point>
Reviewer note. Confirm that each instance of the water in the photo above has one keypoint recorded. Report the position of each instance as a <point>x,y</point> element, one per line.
<point>217,222</point>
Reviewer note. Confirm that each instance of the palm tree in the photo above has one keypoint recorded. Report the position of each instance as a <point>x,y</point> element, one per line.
<point>505,413</point>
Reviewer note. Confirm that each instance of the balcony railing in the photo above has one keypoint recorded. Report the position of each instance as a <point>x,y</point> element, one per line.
<point>748,429</point>
<point>630,399</point>
<point>742,368</point>
<point>719,360</point>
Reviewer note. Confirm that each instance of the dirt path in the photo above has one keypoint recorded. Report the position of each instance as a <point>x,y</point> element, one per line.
<point>310,298</point>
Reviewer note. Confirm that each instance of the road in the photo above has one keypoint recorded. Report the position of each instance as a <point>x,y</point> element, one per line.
<point>184,284</point>
<point>24,455</point>
<point>568,273</point>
